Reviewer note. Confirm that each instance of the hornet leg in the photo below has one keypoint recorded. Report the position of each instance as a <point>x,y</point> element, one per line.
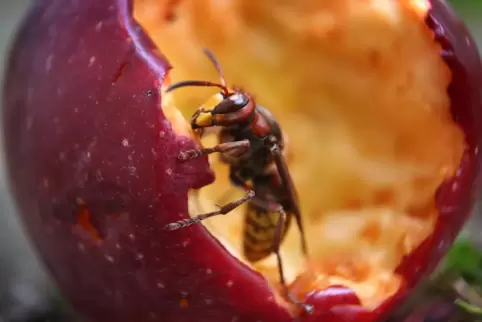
<point>239,146</point>
<point>276,249</point>
<point>268,205</point>
<point>274,207</point>
<point>222,211</point>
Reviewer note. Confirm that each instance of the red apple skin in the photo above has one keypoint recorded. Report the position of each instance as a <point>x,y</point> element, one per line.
<point>82,120</point>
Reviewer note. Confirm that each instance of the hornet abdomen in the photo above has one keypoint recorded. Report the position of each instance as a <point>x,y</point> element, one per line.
<point>260,222</point>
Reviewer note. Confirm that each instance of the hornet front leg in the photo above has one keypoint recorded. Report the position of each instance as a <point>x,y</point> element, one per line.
<point>240,147</point>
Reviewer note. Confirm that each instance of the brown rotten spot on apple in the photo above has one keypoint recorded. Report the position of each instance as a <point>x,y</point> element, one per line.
<point>360,89</point>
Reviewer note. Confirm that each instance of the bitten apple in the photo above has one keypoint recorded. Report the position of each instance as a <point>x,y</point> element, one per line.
<point>380,102</point>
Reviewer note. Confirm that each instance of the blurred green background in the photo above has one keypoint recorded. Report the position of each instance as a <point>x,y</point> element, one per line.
<point>24,288</point>
<point>471,12</point>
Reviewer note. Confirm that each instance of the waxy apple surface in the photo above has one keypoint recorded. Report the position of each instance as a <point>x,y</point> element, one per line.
<point>93,165</point>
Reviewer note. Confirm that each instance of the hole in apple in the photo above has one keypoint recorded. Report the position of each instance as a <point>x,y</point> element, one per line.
<point>84,221</point>
<point>368,143</point>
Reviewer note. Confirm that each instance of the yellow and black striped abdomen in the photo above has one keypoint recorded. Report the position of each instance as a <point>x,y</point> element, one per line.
<point>259,232</point>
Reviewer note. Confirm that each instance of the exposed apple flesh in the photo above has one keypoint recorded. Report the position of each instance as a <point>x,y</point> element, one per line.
<point>361,90</point>
<point>84,128</point>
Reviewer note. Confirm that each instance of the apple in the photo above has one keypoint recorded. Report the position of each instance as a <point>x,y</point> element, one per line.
<point>380,101</point>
